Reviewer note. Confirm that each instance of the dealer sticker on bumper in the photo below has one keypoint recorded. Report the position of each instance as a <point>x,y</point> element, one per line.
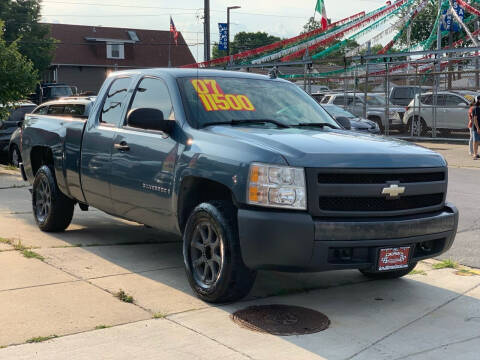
<point>393,258</point>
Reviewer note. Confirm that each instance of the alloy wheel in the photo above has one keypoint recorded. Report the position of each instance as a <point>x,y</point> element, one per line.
<point>417,127</point>
<point>207,254</point>
<point>43,200</point>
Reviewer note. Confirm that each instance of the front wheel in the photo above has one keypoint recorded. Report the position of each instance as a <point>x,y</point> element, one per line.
<point>211,252</point>
<point>52,210</point>
<point>388,274</point>
<point>378,121</point>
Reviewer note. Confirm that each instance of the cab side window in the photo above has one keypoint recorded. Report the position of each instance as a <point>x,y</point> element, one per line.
<point>74,110</point>
<point>153,93</point>
<point>41,110</point>
<point>113,105</point>
<point>56,110</point>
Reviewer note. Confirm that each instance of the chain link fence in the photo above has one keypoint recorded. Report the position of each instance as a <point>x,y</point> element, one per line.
<point>417,94</point>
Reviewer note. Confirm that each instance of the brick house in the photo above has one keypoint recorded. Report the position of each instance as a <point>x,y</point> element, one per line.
<point>85,55</point>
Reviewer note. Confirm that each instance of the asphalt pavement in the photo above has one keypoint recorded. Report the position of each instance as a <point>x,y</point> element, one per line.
<point>464,192</point>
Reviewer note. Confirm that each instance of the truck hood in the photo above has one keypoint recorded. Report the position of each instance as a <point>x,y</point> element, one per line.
<point>333,148</point>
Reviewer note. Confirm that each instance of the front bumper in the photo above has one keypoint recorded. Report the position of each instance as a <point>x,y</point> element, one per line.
<point>293,241</point>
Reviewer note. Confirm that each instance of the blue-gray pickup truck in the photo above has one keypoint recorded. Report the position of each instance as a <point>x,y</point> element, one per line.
<point>249,169</point>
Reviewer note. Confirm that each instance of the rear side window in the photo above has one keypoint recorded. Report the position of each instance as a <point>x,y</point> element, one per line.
<point>426,99</point>
<point>153,93</point>
<point>403,93</point>
<point>114,102</point>
<point>55,109</point>
<point>75,110</point>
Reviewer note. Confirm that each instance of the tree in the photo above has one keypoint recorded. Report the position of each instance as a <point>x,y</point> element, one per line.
<point>17,74</point>
<point>245,41</point>
<point>311,25</point>
<point>21,24</point>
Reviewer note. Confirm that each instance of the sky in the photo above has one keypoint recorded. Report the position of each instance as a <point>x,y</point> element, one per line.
<point>282,18</point>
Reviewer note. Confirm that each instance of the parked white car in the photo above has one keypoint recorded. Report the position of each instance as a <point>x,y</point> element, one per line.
<point>451,109</point>
<point>375,107</point>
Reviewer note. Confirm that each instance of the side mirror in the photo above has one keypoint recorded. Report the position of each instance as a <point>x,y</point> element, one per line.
<point>344,122</point>
<point>149,119</point>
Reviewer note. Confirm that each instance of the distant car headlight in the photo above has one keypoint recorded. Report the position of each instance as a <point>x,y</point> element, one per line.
<point>277,186</point>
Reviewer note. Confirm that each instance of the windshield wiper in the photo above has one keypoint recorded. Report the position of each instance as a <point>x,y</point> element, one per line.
<point>247,121</point>
<point>316,125</point>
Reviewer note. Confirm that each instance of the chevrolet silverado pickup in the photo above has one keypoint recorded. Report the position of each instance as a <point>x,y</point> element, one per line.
<point>249,170</point>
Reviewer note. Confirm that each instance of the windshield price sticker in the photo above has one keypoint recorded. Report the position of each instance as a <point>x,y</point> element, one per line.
<point>214,99</point>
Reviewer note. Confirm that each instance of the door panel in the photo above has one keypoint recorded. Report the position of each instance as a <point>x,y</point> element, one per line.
<point>143,162</point>
<point>142,176</point>
<point>97,146</point>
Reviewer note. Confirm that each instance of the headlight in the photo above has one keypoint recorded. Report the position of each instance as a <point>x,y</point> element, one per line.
<point>277,186</point>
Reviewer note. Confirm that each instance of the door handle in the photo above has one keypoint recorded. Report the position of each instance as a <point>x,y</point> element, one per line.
<point>123,146</point>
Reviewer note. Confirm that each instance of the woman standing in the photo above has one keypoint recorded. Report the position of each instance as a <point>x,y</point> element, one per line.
<point>476,128</point>
<point>470,126</point>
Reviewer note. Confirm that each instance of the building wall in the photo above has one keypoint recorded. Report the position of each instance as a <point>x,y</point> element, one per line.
<point>83,77</point>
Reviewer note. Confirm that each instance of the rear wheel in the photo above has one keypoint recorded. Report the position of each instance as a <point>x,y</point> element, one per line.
<point>417,126</point>
<point>211,251</point>
<point>52,210</point>
<point>388,274</point>
<point>15,157</point>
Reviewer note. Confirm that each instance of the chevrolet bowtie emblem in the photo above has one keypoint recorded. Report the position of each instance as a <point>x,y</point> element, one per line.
<point>393,191</point>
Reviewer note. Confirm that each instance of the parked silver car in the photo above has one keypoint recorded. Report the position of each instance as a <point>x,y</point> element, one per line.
<point>451,112</point>
<point>375,108</point>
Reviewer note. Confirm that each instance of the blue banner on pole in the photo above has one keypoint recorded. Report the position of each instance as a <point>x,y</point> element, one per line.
<point>223,30</point>
<point>448,22</point>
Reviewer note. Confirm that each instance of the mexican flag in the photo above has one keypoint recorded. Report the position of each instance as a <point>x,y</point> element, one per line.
<point>320,8</point>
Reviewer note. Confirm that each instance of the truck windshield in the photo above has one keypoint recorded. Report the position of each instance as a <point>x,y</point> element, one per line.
<point>212,100</point>
<point>59,91</point>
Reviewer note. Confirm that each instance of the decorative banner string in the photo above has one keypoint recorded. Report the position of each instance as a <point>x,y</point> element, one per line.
<point>360,33</point>
<point>323,37</point>
<point>385,12</point>
<point>275,45</point>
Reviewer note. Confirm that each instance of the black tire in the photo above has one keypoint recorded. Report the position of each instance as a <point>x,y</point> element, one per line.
<point>213,261</point>
<point>15,158</point>
<point>394,274</point>
<point>377,120</point>
<point>422,124</point>
<point>52,210</point>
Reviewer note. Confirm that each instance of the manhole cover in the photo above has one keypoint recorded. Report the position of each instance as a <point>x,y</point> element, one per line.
<point>281,320</point>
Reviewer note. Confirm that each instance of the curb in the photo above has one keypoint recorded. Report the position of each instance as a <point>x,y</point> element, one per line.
<point>433,140</point>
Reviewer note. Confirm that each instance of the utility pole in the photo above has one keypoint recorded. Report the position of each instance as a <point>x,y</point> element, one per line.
<point>450,67</point>
<point>477,76</point>
<point>228,26</point>
<point>365,88</point>
<point>206,31</point>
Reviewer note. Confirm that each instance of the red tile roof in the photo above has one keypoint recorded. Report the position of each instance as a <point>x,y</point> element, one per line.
<point>150,51</point>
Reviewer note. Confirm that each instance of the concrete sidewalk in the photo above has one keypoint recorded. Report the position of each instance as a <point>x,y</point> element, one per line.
<point>64,285</point>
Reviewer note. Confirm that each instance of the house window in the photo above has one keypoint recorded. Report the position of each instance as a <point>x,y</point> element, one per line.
<point>115,51</point>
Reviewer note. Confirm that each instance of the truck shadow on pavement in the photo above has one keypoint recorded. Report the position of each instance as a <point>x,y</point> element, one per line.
<point>369,319</point>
